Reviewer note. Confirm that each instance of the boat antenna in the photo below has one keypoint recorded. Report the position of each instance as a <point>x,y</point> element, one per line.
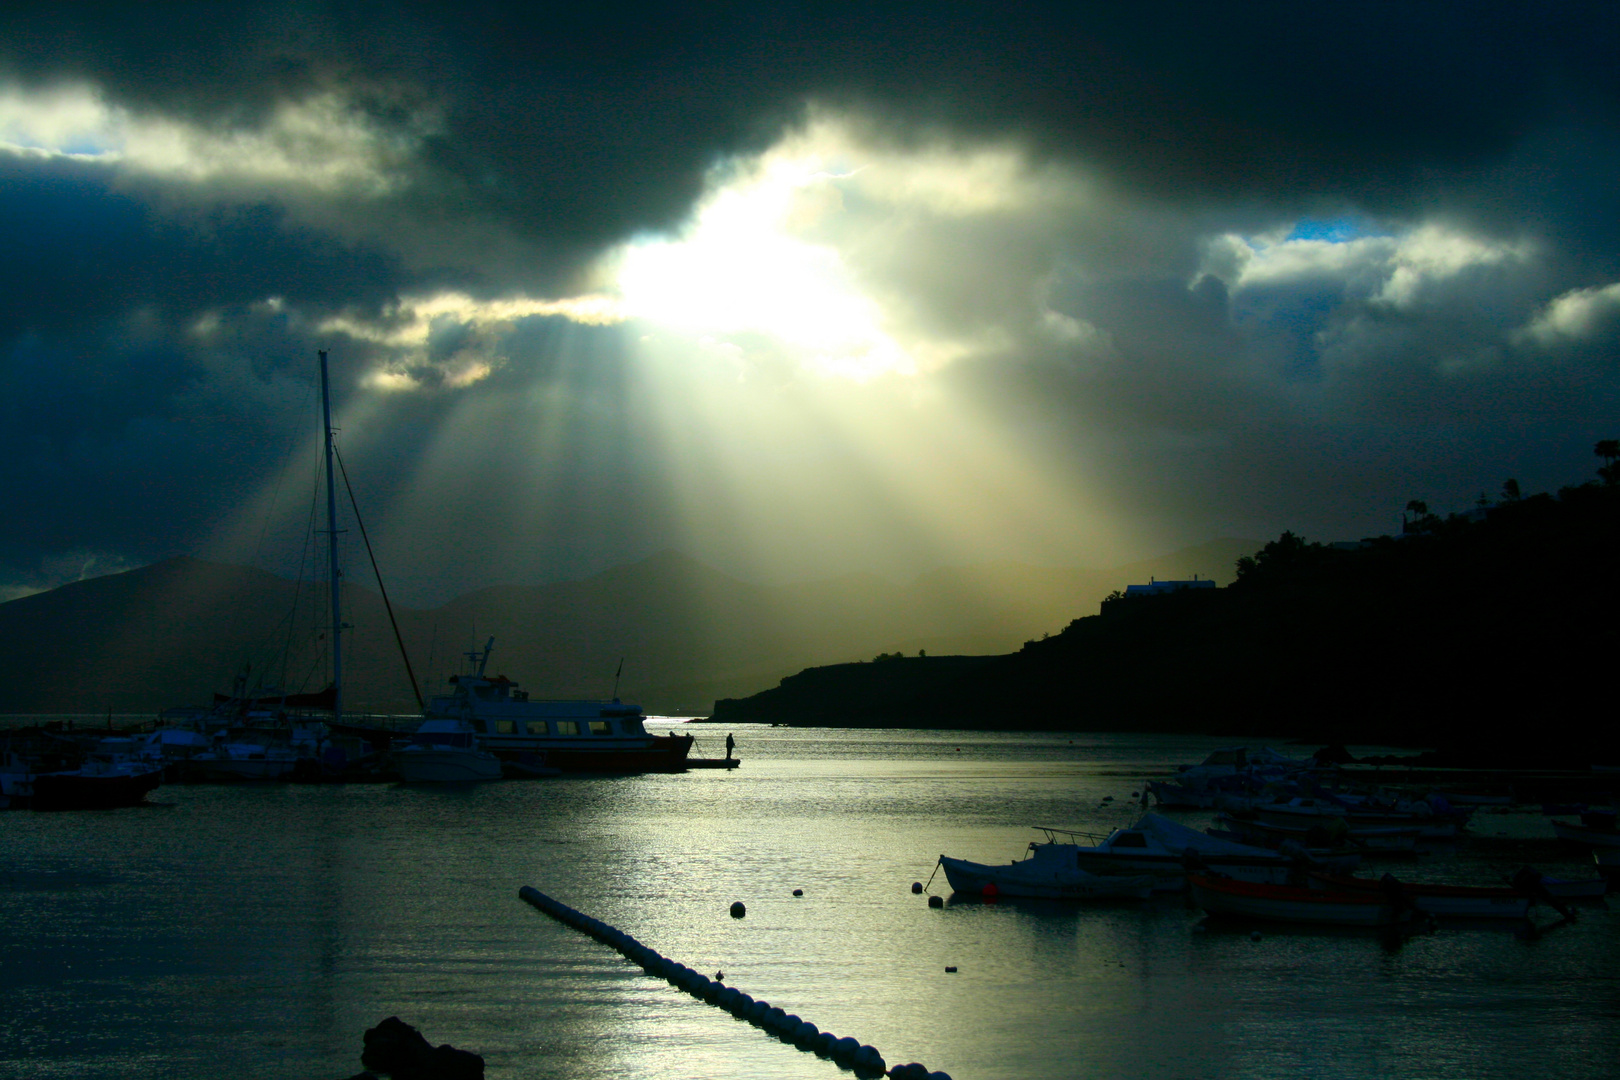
<point>332,550</point>
<point>398,639</point>
<point>616,675</point>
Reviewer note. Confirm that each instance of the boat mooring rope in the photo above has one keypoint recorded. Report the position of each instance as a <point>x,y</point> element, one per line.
<point>864,1060</point>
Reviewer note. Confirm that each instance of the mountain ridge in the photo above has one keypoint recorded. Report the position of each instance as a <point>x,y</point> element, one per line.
<point>174,632</point>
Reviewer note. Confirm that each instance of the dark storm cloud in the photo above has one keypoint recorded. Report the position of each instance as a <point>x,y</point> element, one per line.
<point>76,244</point>
<point>576,124</point>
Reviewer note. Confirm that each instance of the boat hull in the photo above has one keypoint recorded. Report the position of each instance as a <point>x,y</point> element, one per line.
<point>80,791</point>
<point>656,753</point>
<point>1452,901</point>
<point>1286,903</point>
<point>1021,880</point>
<point>1585,834</point>
<point>420,765</point>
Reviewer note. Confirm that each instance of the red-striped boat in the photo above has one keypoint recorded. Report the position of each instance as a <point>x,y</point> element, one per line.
<point>1297,903</point>
<point>1456,901</point>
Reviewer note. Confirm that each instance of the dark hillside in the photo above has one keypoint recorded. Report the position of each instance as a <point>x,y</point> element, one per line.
<point>1493,637</point>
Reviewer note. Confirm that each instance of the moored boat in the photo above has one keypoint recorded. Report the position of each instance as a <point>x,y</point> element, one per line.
<point>1295,903</point>
<point>1590,835</point>
<point>1456,901</point>
<point>95,785</point>
<point>1385,839</point>
<point>573,736</point>
<point>1048,873</point>
<point>445,752</point>
<point>1165,849</point>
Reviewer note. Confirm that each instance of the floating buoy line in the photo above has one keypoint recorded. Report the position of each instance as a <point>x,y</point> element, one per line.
<point>863,1059</point>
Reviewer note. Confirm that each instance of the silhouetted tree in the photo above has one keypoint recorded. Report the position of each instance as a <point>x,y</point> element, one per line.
<point>1510,490</point>
<point>1609,451</point>
<point>1417,507</point>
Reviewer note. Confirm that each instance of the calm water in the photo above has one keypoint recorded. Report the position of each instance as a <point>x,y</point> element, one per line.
<point>257,931</point>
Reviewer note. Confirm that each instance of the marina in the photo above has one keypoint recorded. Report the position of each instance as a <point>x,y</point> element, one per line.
<point>128,928</point>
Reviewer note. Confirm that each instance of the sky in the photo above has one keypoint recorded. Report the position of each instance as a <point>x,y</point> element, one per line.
<point>798,290</point>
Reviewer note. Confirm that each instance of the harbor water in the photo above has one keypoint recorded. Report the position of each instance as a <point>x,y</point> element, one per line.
<point>257,930</point>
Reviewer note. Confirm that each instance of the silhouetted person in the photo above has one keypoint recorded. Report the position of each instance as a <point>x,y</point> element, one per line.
<point>730,742</point>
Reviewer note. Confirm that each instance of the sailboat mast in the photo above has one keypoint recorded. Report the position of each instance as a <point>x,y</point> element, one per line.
<point>332,551</point>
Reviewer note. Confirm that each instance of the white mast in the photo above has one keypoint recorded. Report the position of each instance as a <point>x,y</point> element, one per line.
<point>332,551</point>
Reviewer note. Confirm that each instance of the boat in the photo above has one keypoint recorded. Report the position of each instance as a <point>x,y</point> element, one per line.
<point>1228,897</point>
<point>98,784</point>
<point>1608,862</point>
<point>1590,835</point>
<point>1165,849</point>
<point>1576,889</point>
<point>1455,901</point>
<point>573,736</point>
<point>1048,871</point>
<point>1383,839</point>
<point>445,752</point>
<point>1360,813</point>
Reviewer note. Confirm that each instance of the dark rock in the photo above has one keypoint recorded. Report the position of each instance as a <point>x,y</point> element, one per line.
<point>396,1048</point>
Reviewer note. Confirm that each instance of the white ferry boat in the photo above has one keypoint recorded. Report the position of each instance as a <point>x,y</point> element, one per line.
<point>574,736</point>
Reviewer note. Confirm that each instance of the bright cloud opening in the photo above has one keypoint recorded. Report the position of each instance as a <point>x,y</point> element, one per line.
<point>741,268</point>
<point>785,247</point>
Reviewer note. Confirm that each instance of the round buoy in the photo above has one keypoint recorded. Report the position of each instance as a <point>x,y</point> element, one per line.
<point>738,910</point>
<point>916,887</point>
<point>1254,935</point>
<point>868,1058</point>
<point>845,1048</point>
<point>990,892</point>
<point>824,1043</point>
<point>798,892</point>
<point>936,901</point>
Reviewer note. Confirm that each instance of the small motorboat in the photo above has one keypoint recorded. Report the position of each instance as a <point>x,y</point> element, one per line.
<point>95,785</point>
<point>1454,901</point>
<point>445,752</point>
<point>1166,849</point>
<point>1225,897</point>
<point>1592,835</point>
<point>1579,889</point>
<point>1370,839</point>
<point>1048,873</point>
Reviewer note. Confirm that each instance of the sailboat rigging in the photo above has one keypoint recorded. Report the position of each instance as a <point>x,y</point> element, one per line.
<point>332,548</point>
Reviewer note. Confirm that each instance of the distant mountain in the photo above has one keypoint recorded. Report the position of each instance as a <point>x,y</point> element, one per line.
<point>176,632</point>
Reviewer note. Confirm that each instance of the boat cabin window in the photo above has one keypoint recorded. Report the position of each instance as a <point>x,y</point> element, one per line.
<point>535,727</point>
<point>520,695</point>
<point>485,693</point>
<point>568,727</point>
<point>504,727</point>
<point>1130,839</point>
<point>599,727</point>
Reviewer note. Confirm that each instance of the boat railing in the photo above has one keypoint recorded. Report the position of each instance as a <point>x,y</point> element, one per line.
<point>1053,833</point>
